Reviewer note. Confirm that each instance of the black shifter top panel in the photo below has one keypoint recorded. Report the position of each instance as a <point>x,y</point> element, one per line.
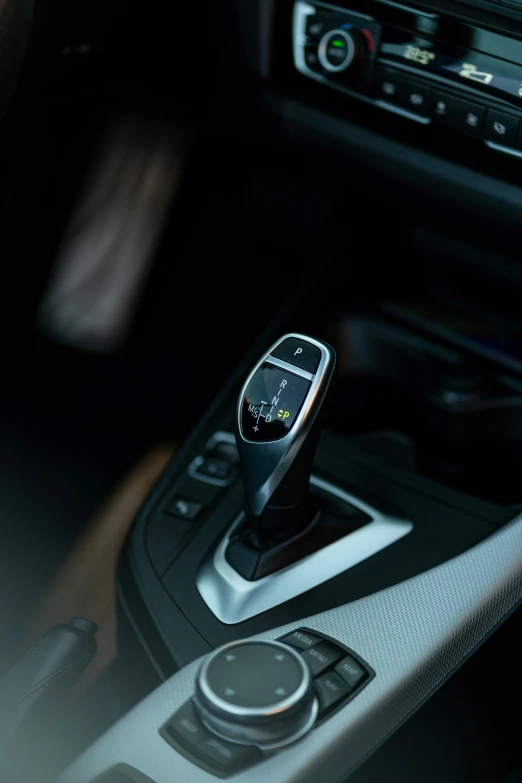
<point>299,352</point>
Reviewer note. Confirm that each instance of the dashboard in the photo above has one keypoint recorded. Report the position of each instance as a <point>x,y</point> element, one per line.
<point>407,67</point>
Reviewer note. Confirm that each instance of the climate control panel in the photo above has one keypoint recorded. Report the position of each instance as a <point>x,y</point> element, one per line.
<point>467,84</point>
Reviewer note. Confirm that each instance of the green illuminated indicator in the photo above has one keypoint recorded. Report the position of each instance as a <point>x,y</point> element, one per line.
<point>337,42</point>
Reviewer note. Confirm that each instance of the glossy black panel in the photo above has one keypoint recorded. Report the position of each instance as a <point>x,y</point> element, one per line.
<point>463,65</point>
<point>272,403</point>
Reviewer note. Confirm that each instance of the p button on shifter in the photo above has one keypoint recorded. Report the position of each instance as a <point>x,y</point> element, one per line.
<point>299,353</point>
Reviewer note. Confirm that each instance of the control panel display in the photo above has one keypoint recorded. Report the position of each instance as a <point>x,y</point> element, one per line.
<point>272,403</point>
<point>464,66</point>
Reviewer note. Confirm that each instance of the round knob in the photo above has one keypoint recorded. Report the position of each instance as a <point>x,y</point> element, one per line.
<point>339,49</point>
<point>256,693</point>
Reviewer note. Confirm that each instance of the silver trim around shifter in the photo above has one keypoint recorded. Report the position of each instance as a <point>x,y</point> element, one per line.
<point>234,599</point>
<point>289,367</point>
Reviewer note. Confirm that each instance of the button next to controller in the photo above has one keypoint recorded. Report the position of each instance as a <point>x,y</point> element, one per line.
<point>299,353</point>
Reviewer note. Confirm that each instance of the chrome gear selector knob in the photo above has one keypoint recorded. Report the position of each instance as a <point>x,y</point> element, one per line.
<point>278,423</point>
<point>256,693</point>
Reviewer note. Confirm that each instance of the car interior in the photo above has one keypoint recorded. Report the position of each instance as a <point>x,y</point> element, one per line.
<point>262,403</point>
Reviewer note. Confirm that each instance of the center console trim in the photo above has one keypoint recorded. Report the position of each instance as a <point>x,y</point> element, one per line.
<point>234,599</point>
<point>414,635</point>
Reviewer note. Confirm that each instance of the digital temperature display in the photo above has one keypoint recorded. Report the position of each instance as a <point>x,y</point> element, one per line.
<point>461,65</point>
<point>421,56</point>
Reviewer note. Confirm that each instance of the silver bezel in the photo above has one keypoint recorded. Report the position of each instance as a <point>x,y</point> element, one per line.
<point>272,459</point>
<point>323,45</point>
<point>234,599</point>
<point>303,10</point>
<point>232,711</point>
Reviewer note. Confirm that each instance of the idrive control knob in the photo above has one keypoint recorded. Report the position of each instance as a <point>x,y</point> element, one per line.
<point>256,693</point>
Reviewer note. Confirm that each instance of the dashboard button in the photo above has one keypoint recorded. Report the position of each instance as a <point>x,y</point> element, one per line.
<point>299,353</point>
<point>312,58</point>
<point>397,88</point>
<point>322,656</point>
<point>330,690</point>
<point>226,756</point>
<point>462,116</point>
<point>186,727</point>
<point>351,672</point>
<point>389,85</point>
<point>184,509</point>
<point>301,640</point>
<point>317,25</point>
<point>415,97</point>
<point>501,128</point>
<point>272,402</point>
<point>165,538</point>
<point>215,468</point>
<point>336,51</point>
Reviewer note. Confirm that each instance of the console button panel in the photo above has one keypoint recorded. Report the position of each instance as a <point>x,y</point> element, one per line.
<point>191,499</point>
<point>338,675</point>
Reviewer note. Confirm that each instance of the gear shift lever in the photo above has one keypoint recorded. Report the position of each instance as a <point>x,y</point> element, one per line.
<point>280,415</point>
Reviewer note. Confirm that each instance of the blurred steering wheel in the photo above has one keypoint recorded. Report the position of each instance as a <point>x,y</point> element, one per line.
<point>15,26</point>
